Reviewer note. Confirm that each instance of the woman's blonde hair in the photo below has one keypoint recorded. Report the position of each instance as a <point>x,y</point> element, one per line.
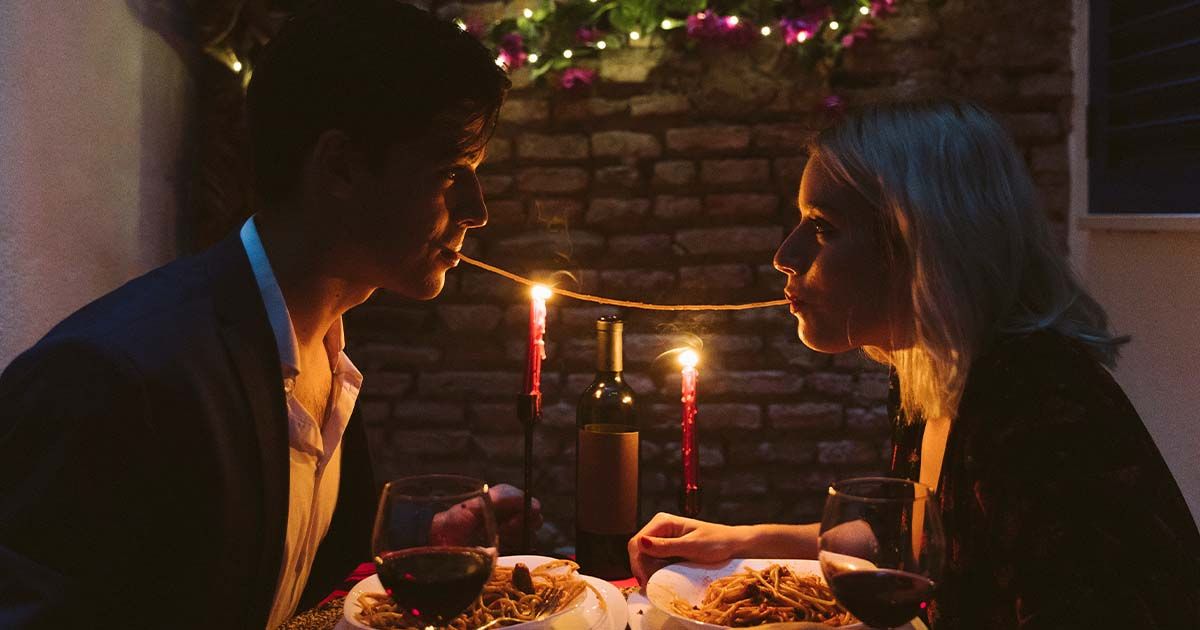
<point>960,222</point>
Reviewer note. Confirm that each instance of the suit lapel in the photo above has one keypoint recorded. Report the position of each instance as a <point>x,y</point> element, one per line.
<point>252,351</point>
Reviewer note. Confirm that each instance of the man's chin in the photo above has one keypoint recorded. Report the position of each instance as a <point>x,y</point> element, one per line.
<point>425,289</point>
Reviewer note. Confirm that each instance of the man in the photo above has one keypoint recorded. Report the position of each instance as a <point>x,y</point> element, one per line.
<point>182,452</point>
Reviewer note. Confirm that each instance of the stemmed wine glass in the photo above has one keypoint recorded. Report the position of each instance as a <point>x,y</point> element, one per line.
<point>434,544</point>
<point>881,548</point>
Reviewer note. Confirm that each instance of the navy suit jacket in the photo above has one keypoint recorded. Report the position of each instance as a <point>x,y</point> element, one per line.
<point>144,461</point>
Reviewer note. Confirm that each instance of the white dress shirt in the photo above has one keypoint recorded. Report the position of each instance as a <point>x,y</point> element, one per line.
<point>314,446</point>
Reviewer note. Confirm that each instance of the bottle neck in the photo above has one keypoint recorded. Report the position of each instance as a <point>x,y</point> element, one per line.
<point>608,355</point>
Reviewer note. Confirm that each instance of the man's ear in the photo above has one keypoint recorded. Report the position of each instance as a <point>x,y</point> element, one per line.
<point>335,164</point>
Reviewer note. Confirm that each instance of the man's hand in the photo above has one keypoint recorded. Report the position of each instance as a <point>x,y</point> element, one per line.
<point>457,524</point>
<point>668,538</point>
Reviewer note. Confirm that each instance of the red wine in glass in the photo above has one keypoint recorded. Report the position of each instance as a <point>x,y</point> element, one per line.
<point>883,598</point>
<point>434,584</point>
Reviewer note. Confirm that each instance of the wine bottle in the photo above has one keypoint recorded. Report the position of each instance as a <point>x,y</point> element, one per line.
<point>606,466</point>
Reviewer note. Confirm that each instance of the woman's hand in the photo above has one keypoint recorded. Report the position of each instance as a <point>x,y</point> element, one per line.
<point>668,538</point>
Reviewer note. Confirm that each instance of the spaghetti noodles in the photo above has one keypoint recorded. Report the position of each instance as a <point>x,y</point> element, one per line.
<point>774,594</point>
<point>555,586</point>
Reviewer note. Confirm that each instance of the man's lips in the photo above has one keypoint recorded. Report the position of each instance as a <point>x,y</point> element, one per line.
<point>450,253</point>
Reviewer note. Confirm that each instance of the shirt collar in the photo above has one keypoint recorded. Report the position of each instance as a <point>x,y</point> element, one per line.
<point>277,310</point>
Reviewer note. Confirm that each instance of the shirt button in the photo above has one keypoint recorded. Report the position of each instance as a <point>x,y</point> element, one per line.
<point>289,384</point>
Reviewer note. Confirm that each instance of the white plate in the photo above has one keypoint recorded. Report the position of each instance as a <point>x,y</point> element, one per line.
<point>688,581</point>
<point>588,614</point>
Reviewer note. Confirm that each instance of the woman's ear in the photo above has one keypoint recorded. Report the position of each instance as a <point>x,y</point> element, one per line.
<point>335,164</point>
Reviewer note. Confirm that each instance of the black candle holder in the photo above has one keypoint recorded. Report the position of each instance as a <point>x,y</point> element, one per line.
<point>529,412</point>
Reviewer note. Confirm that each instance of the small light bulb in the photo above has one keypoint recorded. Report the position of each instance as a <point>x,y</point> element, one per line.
<point>802,36</point>
<point>766,30</point>
<point>667,24</point>
<point>533,57</point>
<point>689,358</point>
<point>541,292</point>
<point>833,26</point>
<point>237,66</point>
<point>528,13</point>
<point>634,35</point>
<point>460,24</point>
<point>733,20</point>
<point>568,54</point>
<point>500,61</point>
<point>602,44</point>
<point>863,10</point>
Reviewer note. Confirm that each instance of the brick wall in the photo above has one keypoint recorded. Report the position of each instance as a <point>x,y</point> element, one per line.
<point>673,180</point>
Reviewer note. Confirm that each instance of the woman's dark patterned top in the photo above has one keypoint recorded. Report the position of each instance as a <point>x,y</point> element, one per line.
<point>1059,510</point>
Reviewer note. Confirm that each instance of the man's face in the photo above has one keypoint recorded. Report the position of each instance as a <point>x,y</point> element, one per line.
<point>411,217</point>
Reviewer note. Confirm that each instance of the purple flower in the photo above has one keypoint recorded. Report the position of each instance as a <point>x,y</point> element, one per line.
<point>833,104</point>
<point>882,7</point>
<point>796,31</point>
<point>587,35</point>
<point>717,29</point>
<point>512,51</point>
<point>577,78</point>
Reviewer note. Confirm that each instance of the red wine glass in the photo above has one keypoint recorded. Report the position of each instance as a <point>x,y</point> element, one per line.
<point>434,545</point>
<point>881,548</point>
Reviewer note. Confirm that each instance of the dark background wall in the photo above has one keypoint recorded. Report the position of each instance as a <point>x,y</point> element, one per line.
<point>673,180</point>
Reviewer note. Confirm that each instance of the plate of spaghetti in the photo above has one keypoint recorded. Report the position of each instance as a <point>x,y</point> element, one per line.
<point>525,592</point>
<point>743,593</point>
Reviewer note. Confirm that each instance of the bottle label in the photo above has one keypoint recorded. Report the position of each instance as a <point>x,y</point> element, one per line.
<point>607,487</point>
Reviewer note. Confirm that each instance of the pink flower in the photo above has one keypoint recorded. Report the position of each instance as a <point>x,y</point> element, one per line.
<point>573,79</point>
<point>833,104</point>
<point>512,51</point>
<point>717,29</point>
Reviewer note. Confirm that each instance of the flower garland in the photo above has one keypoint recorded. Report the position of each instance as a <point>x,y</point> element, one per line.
<point>557,35</point>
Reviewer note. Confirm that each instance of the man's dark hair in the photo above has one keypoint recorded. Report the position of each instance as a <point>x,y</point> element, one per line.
<point>381,71</point>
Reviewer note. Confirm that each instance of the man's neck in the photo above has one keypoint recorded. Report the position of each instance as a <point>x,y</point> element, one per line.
<point>306,266</point>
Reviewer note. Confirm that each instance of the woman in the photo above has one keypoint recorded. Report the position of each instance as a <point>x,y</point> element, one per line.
<point>920,242</point>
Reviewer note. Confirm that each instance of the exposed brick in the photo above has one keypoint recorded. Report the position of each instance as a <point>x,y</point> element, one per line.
<point>552,180</point>
<point>495,185</point>
<point>830,384</point>
<point>732,344</point>
<point>481,284</point>
<point>640,246</point>
<point>561,415</point>
<point>415,413</point>
<point>1058,84</point>
<point>756,205</point>
<point>907,28</point>
<point>729,240</point>
<point>524,110</point>
<point>715,277</point>
<point>375,356</point>
<point>658,105</point>
<point>471,318</point>
<point>796,353</point>
<point>787,173</point>
<point>1033,127</point>
<point>730,484</point>
<point>556,212</point>
<point>786,137</point>
<point>625,144</point>
<point>510,448</point>
<point>674,173</point>
<point>435,442</point>
<point>753,383</point>
<point>734,172</point>
<point>629,65</point>
<point>872,386</point>
<point>672,208</point>
<point>549,244</point>
<point>873,419</point>
<point>463,385</point>
<point>846,452</point>
<point>506,212</point>
<point>391,384</point>
<point>808,416</point>
<point>807,481</point>
<point>744,452</point>
<point>711,457</point>
<point>1050,159</point>
<point>566,146</point>
<point>499,150</point>
<point>632,281</point>
<point>617,212</point>
<point>583,109</point>
<point>584,316</point>
<point>707,140</point>
<point>374,412</point>
<point>621,178</point>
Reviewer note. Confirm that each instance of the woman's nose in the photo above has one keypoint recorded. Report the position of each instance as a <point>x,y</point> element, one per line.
<point>791,257</point>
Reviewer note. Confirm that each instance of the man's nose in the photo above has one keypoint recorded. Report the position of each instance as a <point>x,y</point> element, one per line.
<point>471,210</point>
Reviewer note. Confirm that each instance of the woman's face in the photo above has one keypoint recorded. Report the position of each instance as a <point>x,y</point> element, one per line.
<point>840,283</point>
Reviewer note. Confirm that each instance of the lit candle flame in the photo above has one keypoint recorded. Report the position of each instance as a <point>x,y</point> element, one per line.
<point>689,358</point>
<point>541,292</point>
